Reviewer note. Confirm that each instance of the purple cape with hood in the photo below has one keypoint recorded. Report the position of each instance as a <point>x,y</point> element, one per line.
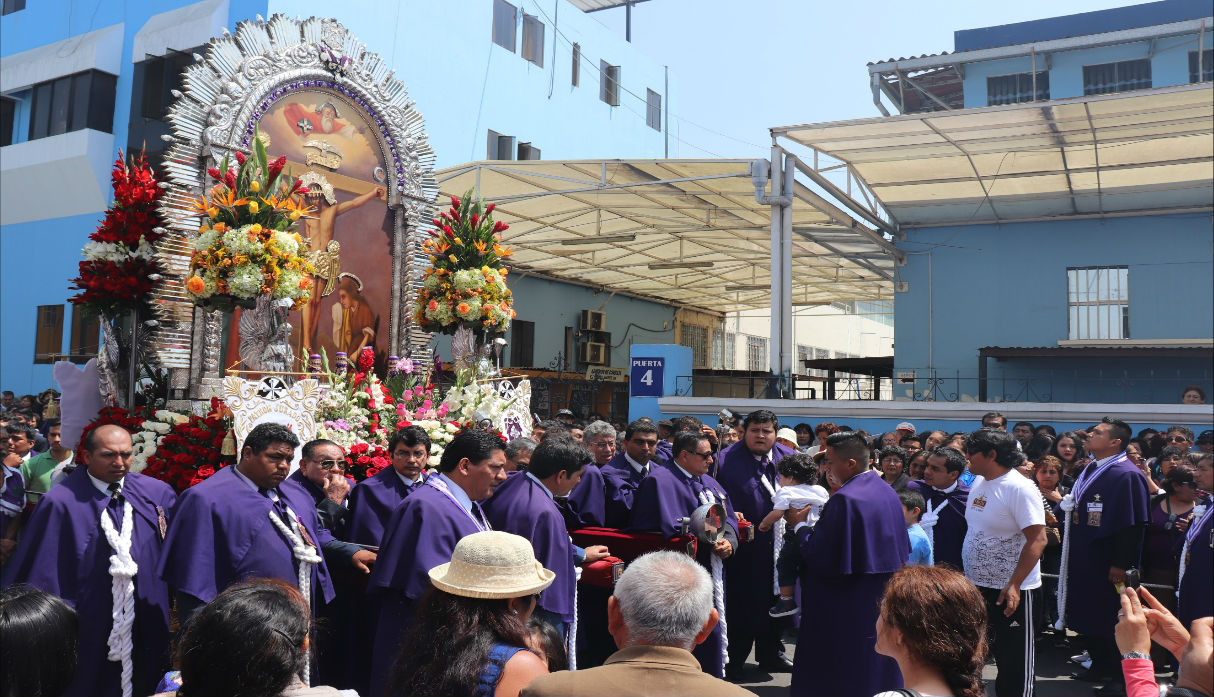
<point>372,503</point>
<point>587,501</point>
<point>222,535</point>
<point>620,482</point>
<point>421,534</point>
<point>949,532</point>
<point>523,506</point>
<point>859,542</point>
<point>1113,502</point>
<point>64,552</point>
<point>666,495</point>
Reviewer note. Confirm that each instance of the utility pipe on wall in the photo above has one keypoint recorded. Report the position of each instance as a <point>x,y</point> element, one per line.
<point>779,172</point>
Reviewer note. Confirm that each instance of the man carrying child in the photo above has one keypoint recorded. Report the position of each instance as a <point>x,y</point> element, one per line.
<point>798,488</point>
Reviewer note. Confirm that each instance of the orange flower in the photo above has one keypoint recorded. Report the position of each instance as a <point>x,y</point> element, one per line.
<point>433,306</point>
<point>481,247</point>
<point>195,285</point>
<point>462,308</point>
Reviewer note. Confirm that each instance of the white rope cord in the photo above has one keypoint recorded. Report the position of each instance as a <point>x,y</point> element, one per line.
<point>122,571</point>
<point>1198,519</point>
<point>1067,505</point>
<point>718,587</point>
<point>308,558</point>
<point>571,640</point>
<point>928,522</point>
<point>778,531</point>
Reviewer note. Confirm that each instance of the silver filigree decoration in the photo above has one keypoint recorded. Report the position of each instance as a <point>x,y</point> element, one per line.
<point>265,336</point>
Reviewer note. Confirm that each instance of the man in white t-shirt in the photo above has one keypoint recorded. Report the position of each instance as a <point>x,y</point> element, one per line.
<point>1002,554</point>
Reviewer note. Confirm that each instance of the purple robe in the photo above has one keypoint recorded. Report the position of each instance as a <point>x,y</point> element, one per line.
<point>1196,598</point>
<point>222,535</point>
<point>372,502</point>
<point>752,570</point>
<point>420,535</point>
<point>522,506</point>
<point>64,552</point>
<point>859,542</point>
<point>12,498</point>
<point>586,501</point>
<point>665,452</point>
<point>1120,495</point>
<point>949,531</point>
<point>620,482</point>
<point>666,495</point>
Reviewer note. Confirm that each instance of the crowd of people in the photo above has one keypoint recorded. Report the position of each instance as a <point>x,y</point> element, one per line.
<point>918,556</point>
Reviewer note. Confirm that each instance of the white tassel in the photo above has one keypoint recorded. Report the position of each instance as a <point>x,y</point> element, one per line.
<point>1067,505</point>
<point>122,570</point>
<point>308,558</point>
<point>571,640</point>
<point>718,600</point>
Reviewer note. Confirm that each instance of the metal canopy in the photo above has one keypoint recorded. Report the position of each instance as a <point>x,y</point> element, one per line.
<point>1145,151</point>
<point>687,232</point>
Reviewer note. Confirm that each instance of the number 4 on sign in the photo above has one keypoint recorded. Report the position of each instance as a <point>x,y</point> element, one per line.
<point>647,378</point>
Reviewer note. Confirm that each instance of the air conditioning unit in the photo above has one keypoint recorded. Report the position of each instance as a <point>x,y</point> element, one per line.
<point>594,320</point>
<point>592,353</point>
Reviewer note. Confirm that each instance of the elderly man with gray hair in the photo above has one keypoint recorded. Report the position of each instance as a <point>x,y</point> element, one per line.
<point>660,610</point>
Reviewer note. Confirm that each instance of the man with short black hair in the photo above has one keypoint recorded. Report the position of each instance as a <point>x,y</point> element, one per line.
<point>748,474</point>
<point>857,545</point>
<point>322,473</point>
<point>995,420</point>
<point>103,524</point>
<point>518,454</point>
<point>552,428</point>
<point>623,474</point>
<point>1107,512</point>
<point>38,470</point>
<point>675,490</point>
<point>375,498</point>
<point>1023,433</point>
<point>1004,539</point>
<point>247,521</point>
<point>21,440</point>
<point>525,505</point>
<point>945,496</point>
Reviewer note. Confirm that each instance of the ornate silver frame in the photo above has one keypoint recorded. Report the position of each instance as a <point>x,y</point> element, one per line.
<point>224,94</point>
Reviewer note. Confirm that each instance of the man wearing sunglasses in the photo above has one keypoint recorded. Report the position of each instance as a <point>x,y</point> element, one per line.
<point>1179,437</point>
<point>322,473</point>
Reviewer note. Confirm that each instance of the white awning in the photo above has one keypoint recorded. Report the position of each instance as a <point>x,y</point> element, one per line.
<point>180,29</point>
<point>97,50</point>
<point>1146,151</point>
<point>688,232</point>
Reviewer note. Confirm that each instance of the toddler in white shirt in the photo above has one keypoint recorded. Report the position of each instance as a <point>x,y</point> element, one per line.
<point>798,488</point>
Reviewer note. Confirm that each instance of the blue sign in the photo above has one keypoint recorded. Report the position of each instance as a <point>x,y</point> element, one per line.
<point>646,377</point>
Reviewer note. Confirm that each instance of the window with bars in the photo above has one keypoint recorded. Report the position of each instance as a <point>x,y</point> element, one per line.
<point>1014,89</point>
<point>1117,77</point>
<point>731,350</point>
<point>609,83</point>
<point>1207,66</point>
<point>575,76</point>
<point>48,333</point>
<point>696,339</point>
<point>756,352</point>
<point>504,15</point>
<point>653,110</point>
<point>533,40</point>
<point>85,336</point>
<point>73,102</point>
<point>1098,302</point>
<point>522,344</point>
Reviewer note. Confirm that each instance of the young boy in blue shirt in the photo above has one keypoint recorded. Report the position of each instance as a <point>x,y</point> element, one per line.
<point>921,546</point>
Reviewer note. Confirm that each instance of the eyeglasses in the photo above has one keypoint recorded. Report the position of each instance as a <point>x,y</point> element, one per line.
<point>331,464</point>
<point>705,456</point>
<point>603,444</point>
<point>1176,439</point>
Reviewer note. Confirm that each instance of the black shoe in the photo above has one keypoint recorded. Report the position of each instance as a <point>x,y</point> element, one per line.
<point>783,608</point>
<point>735,673</point>
<point>777,664</point>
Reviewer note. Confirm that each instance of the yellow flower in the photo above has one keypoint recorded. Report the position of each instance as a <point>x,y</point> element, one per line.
<point>213,212</point>
<point>480,247</point>
<point>254,186</point>
<point>204,228</point>
<point>294,215</point>
<point>255,228</point>
<point>452,258</point>
<point>458,242</point>
<point>253,207</point>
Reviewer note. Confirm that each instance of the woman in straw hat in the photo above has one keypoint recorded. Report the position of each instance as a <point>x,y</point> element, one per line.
<point>469,637</point>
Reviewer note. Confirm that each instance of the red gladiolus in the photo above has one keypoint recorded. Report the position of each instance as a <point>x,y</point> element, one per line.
<point>240,157</point>
<point>230,178</point>
<point>489,208</point>
<point>215,173</point>
<point>500,226</point>
<point>275,167</point>
<point>454,202</point>
<point>475,220</point>
<point>366,359</point>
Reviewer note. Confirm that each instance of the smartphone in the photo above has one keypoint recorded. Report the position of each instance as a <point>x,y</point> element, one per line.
<point>1132,578</point>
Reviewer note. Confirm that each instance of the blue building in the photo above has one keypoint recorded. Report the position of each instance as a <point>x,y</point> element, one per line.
<point>496,81</point>
<point>1051,184</point>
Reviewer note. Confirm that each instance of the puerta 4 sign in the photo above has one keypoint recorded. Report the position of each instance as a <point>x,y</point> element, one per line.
<point>646,377</point>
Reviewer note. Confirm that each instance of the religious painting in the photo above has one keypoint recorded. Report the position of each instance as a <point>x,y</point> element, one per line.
<point>330,145</point>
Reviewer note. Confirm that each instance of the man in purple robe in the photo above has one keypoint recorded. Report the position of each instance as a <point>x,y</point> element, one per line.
<point>625,472</point>
<point>675,490</point>
<point>374,500</point>
<point>223,532</point>
<point>587,501</point>
<point>1195,599</point>
<point>945,497</point>
<point>748,473</point>
<point>525,505</point>
<point>1107,521</point>
<point>65,551</point>
<point>422,534</point>
<point>857,545</point>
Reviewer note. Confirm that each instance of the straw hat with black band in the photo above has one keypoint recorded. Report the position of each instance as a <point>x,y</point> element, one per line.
<point>492,564</point>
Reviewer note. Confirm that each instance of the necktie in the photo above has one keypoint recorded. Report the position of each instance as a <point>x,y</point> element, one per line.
<point>115,503</point>
<point>480,514</point>
<point>767,470</point>
<point>278,504</point>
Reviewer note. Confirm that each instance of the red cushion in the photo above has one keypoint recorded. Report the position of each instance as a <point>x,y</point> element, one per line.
<point>630,545</point>
<point>603,573</point>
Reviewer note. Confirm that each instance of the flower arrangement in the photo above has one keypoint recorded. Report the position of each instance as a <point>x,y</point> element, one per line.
<point>475,402</point>
<point>466,283</point>
<point>193,449</point>
<point>248,246</point>
<point>115,416</point>
<point>153,429</point>
<point>119,267</point>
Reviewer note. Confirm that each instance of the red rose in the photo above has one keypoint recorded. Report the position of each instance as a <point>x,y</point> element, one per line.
<point>206,471</point>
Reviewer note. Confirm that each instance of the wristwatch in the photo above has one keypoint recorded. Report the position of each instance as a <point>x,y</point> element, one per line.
<point>1134,654</point>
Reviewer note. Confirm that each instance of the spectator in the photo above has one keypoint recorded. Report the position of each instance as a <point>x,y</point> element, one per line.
<point>956,441</point>
<point>470,633</point>
<point>577,430</point>
<point>932,623</point>
<point>1133,453</point>
<point>995,420</point>
<point>1194,598</point>
<point>821,433</point>
<point>788,438</point>
<point>1193,395</point>
<point>1002,554</point>
<point>1205,442</point>
<point>38,470</point>
<point>1037,447</point>
<point>1179,437</point>
<point>1169,458</point>
<point>889,439</point>
<point>545,640</point>
<point>1171,514</point>
<point>1139,626</point>
<point>920,545</point>
<point>566,417</point>
<point>912,444</point>
<point>892,463</point>
<point>805,437</point>
<point>917,465</point>
<point>935,439</point>
<point>1023,433</point>
<point>1046,429</point>
<point>250,641</point>
<point>728,435</point>
<point>518,453</point>
<point>21,441</point>
<point>549,428</point>
<point>1069,451</point>
<point>38,632</point>
<point>661,608</point>
<point>7,400</point>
